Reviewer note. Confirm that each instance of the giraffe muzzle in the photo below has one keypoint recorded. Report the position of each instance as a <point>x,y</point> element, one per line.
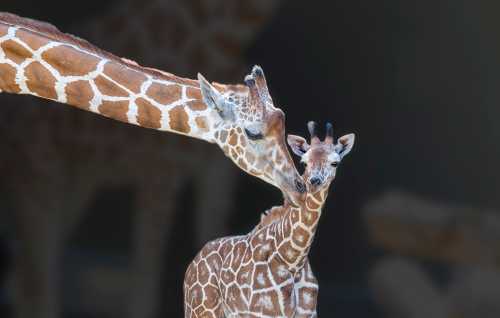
<point>315,181</point>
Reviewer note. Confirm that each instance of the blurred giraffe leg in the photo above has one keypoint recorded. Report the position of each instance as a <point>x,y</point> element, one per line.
<point>215,187</point>
<point>154,216</point>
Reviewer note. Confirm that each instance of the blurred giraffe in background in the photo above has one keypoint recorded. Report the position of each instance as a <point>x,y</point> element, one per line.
<point>62,170</point>
<point>416,232</point>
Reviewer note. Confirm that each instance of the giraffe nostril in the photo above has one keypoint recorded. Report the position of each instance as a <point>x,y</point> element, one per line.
<point>315,181</point>
<point>300,186</point>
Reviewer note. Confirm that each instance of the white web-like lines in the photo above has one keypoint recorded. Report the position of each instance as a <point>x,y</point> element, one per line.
<point>302,281</point>
<point>61,82</point>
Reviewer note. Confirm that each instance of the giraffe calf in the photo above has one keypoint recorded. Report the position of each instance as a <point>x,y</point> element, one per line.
<point>266,273</point>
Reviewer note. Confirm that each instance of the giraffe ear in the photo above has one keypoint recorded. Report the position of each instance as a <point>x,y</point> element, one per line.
<point>298,144</point>
<point>345,144</point>
<point>214,99</point>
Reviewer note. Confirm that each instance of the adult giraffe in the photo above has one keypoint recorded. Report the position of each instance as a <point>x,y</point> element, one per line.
<point>199,126</point>
<point>183,36</point>
<point>39,60</point>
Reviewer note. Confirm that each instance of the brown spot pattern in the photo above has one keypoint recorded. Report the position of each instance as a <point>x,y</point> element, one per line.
<point>257,239</point>
<point>214,262</point>
<point>115,110</point>
<point>220,87</point>
<point>190,277</point>
<point>246,291</point>
<point>306,293</point>
<point>8,79</point>
<point>179,120</point>
<point>109,88</point>
<point>309,217</point>
<point>226,247</point>
<point>289,300</point>
<point>260,278</point>
<point>300,237</point>
<point>243,141</point>
<point>129,78</point>
<point>244,274</point>
<point>202,124</point>
<point>239,150</point>
<point>40,81</point>
<point>15,51</point>
<point>233,139</point>
<point>248,256</point>
<point>148,115</point>
<point>70,62</point>
<point>196,295</point>
<point>211,297</point>
<point>3,29</point>
<point>288,253</point>
<point>263,251</point>
<point>223,136</point>
<point>295,215</point>
<point>33,41</point>
<point>227,276</point>
<point>311,204</point>
<point>194,93</point>
<point>164,94</point>
<point>287,228</point>
<point>318,196</point>
<point>196,105</point>
<point>236,297</point>
<point>276,265</point>
<point>309,276</point>
<point>238,253</point>
<point>203,273</point>
<point>267,303</point>
<point>79,94</point>
<point>233,277</point>
<point>211,246</point>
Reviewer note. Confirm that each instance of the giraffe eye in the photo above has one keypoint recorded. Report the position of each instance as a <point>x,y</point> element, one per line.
<point>253,135</point>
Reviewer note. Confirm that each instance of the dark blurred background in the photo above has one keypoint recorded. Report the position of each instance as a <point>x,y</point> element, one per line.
<point>411,228</point>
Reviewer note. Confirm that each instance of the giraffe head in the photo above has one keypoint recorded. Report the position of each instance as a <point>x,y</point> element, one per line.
<point>320,157</point>
<point>251,131</point>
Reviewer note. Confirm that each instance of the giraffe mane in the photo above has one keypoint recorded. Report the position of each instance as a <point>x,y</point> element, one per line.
<point>50,32</point>
<point>270,216</point>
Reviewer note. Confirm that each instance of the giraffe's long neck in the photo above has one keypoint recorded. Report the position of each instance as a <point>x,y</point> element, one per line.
<point>37,59</point>
<point>297,228</point>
